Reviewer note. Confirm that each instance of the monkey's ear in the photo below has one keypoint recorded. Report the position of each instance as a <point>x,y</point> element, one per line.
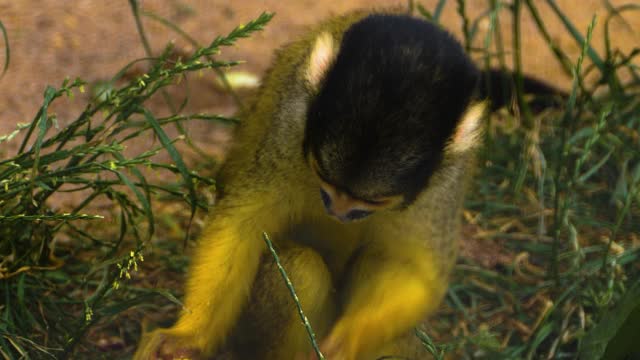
<point>323,54</point>
<point>468,133</point>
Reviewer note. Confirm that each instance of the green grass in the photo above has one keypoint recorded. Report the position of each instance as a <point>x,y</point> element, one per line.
<point>55,294</point>
<point>564,214</point>
<point>555,203</point>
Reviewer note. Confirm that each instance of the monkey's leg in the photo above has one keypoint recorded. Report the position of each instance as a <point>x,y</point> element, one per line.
<point>220,278</point>
<point>392,286</point>
<point>270,327</point>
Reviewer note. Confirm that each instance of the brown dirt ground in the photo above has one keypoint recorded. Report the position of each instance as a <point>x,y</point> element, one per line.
<point>52,39</point>
<point>92,40</point>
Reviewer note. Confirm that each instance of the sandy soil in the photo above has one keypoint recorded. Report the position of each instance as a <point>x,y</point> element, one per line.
<point>53,39</point>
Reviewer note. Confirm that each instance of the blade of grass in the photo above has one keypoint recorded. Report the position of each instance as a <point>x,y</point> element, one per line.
<point>438,11</point>
<point>7,50</point>
<point>292,291</point>
<point>177,159</point>
<point>435,16</point>
<point>593,55</point>
<point>196,44</point>
<point>144,199</point>
<point>596,341</point>
<point>523,107</point>
<point>466,33</point>
<point>561,207</point>
<point>135,9</point>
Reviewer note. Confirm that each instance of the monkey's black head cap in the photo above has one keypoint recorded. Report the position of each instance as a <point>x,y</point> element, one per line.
<point>380,121</point>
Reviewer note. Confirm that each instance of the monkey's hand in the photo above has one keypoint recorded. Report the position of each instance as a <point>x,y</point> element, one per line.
<point>343,343</point>
<point>221,274</point>
<point>167,344</point>
<point>387,298</point>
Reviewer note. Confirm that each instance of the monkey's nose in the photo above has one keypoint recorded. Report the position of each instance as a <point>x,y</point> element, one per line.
<point>343,218</point>
<point>344,214</point>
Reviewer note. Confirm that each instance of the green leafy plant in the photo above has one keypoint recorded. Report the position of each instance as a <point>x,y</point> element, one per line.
<point>563,217</point>
<point>50,297</point>
<point>559,221</point>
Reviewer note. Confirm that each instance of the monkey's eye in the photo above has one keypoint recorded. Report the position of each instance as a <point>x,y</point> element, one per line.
<point>326,199</point>
<point>358,214</point>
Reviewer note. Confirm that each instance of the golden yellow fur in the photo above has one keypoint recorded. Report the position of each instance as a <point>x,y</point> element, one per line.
<point>363,285</point>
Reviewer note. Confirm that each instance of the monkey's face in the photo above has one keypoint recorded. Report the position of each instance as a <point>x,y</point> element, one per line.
<point>345,207</point>
<point>383,110</point>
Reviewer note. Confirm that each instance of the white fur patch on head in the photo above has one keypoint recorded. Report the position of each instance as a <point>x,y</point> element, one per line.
<point>467,134</point>
<point>322,56</point>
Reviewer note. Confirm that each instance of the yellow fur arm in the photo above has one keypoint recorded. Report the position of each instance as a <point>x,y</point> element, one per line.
<point>219,283</point>
<point>220,278</point>
<point>389,298</point>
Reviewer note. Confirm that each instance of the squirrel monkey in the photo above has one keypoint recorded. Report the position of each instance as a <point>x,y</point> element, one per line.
<point>354,158</point>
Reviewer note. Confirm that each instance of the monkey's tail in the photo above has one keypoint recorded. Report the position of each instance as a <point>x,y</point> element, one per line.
<point>500,88</point>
